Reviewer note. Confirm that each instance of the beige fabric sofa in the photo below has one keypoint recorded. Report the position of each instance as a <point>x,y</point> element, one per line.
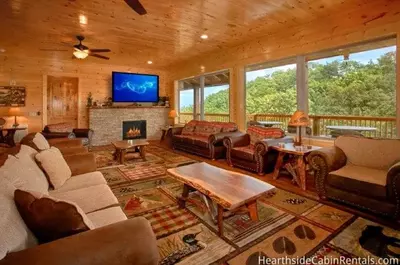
<point>115,238</point>
<point>362,172</point>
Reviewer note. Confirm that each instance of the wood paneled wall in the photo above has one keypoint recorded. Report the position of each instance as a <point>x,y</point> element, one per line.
<point>94,76</point>
<point>372,20</point>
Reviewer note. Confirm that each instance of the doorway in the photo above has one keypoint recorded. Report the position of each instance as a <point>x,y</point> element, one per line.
<point>62,100</point>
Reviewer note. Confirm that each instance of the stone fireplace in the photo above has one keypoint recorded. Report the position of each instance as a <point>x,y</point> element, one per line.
<point>134,130</point>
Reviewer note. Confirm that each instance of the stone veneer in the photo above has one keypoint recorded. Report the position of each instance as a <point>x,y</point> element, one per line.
<point>107,122</point>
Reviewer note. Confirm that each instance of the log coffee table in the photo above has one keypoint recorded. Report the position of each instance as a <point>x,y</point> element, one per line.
<point>229,190</point>
<point>126,146</point>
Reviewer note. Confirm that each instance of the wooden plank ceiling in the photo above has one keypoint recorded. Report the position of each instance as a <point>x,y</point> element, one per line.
<point>169,33</point>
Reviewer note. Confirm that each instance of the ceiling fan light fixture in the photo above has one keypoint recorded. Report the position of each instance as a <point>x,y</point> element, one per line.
<point>81,54</point>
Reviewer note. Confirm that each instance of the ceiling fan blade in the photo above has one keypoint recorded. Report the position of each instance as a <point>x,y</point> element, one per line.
<point>99,56</point>
<point>99,50</point>
<point>137,6</point>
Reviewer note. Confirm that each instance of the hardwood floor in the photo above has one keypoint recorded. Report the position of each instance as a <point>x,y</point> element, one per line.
<point>285,182</point>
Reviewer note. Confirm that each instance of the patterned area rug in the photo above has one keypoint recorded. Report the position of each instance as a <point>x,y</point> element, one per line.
<point>289,225</point>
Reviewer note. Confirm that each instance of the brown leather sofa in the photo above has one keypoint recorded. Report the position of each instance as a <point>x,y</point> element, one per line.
<point>65,130</point>
<point>361,172</point>
<point>251,150</point>
<point>203,138</point>
<point>115,240</point>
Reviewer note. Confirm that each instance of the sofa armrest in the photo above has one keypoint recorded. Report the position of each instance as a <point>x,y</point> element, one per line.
<point>124,243</point>
<point>241,139</point>
<point>81,163</point>
<point>218,138</point>
<point>83,133</point>
<point>323,161</point>
<point>73,150</point>
<point>393,186</point>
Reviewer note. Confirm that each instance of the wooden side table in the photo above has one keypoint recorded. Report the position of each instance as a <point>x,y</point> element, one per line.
<point>8,137</point>
<point>296,164</point>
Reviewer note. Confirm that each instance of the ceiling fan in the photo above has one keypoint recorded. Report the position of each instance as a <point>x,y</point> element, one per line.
<point>136,6</point>
<point>81,51</point>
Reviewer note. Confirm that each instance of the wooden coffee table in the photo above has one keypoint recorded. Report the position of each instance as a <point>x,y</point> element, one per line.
<point>228,190</point>
<point>126,146</point>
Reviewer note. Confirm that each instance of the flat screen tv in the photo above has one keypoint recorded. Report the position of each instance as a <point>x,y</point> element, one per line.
<point>130,87</point>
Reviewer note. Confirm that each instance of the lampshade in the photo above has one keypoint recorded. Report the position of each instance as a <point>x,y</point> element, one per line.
<point>172,114</point>
<point>14,112</point>
<point>299,118</point>
<point>81,54</point>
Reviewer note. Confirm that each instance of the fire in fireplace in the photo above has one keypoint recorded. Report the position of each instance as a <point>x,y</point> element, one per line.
<point>134,130</point>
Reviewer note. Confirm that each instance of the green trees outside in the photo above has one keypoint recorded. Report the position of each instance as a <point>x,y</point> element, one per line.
<point>336,88</point>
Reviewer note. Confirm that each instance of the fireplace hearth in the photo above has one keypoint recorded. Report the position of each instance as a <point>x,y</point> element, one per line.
<point>134,130</point>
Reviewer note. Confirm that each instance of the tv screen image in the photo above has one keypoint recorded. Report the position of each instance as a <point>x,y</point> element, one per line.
<point>129,87</point>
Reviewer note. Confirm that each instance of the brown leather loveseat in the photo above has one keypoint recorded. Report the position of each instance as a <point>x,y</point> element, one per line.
<point>204,138</point>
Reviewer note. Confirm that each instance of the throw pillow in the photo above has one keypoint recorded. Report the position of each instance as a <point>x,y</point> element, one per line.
<point>15,235</point>
<point>55,166</point>
<point>41,142</point>
<point>50,219</point>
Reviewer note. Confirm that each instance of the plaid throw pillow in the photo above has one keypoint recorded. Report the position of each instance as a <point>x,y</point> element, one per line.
<point>258,133</point>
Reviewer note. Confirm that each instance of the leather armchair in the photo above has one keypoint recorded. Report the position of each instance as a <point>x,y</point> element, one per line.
<point>346,172</point>
<point>85,135</point>
<point>258,157</point>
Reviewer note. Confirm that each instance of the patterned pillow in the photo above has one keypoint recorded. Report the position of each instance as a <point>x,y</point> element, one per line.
<point>258,133</point>
<point>205,128</point>
<point>189,128</point>
<point>226,126</point>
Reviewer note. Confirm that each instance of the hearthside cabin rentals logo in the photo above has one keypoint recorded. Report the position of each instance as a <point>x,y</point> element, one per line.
<point>263,260</point>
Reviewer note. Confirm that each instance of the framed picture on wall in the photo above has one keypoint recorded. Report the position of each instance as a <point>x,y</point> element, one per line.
<point>12,96</point>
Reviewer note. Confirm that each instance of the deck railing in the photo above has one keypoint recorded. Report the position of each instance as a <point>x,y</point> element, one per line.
<point>385,126</point>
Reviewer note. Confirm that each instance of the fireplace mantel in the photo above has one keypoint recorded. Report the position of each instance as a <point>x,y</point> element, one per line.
<point>106,122</point>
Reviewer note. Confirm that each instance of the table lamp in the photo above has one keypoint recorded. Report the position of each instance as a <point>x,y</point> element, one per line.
<point>299,119</point>
<point>172,115</point>
<point>14,112</point>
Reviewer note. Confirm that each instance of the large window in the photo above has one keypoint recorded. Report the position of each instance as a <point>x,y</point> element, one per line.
<point>353,90</point>
<point>205,97</point>
<point>271,93</point>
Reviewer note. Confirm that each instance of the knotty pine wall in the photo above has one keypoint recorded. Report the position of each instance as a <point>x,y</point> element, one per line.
<point>370,21</point>
<point>94,76</point>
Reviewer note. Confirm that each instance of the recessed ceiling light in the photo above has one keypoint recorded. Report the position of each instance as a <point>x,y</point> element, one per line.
<point>149,62</point>
<point>204,36</point>
<point>2,50</point>
<point>83,19</point>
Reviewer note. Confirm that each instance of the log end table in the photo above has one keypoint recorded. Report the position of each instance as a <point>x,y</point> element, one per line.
<point>298,158</point>
<point>125,146</point>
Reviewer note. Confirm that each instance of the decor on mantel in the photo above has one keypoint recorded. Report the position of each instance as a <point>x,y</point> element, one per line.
<point>12,96</point>
<point>89,100</point>
<point>299,119</point>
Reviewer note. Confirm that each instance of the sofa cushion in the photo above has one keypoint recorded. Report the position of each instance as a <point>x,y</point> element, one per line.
<point>259,133</point>
<point>48,218</point>
<point>189,128</point>
<point>367,152</point>
<point>363,174</point>
<point>36,178</point>
<point>90,199</point>
<point>107,216</point>
<point>40,142</point>
<point>226,126</point>
<point>201,141</point>
<point>205,129</point>
<point>23,174</point>
<point>244,152</point>
<point>60,127</point>
<point>14,235</point>
<point>83,181</point>
<point>55,166</point>
<point>354,185</point>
